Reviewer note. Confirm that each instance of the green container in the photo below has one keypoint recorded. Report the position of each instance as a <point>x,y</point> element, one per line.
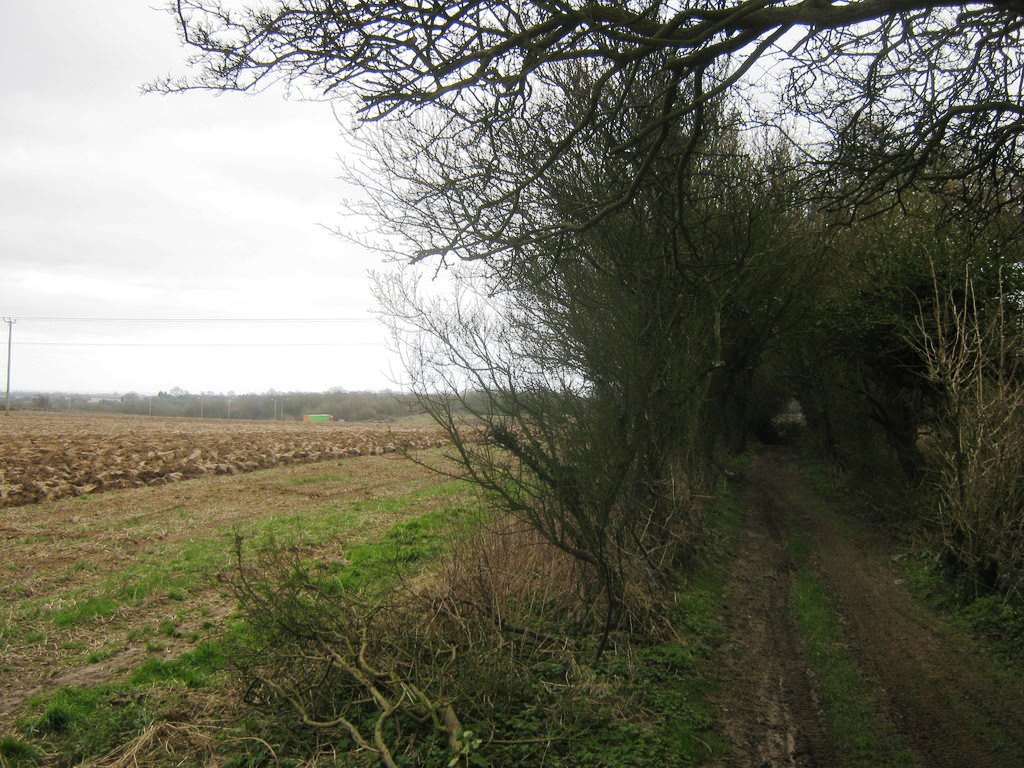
<point>318,418</point>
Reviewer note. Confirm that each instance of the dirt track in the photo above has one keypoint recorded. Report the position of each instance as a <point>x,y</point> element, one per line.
<point>946,701</point>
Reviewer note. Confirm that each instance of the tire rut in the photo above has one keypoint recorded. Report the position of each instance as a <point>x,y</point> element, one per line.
<point>768,709</point>
<point>945,698</point>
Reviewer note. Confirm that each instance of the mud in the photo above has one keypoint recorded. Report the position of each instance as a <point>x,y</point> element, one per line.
<point>768,707</point>
<point>949,701</point>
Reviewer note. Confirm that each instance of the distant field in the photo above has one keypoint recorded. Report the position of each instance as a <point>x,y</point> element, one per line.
<point>47,456</point>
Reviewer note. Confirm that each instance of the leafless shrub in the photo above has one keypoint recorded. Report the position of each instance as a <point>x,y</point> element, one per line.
<point>972,352</point>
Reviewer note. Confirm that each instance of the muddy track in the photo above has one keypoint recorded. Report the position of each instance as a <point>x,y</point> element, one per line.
<point>945,698</point>
<point>769,711</point>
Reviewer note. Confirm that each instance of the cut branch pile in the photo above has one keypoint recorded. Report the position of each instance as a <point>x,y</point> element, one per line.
<point>324,660</point>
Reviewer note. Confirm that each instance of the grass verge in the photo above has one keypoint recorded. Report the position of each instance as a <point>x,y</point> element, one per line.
<point>84,723</point>
<point>638,706</point>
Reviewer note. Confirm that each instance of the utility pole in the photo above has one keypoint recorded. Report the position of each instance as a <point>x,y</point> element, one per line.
<point>10,328</point>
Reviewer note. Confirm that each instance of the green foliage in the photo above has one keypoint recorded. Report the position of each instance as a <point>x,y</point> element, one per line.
<point>993,619</point>
<point>15,753</point>
<point>80,723</point>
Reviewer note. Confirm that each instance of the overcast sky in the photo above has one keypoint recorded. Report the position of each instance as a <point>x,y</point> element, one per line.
<point>119,205</point>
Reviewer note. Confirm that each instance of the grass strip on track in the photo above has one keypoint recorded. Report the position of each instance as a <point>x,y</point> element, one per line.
<point>863,738</point>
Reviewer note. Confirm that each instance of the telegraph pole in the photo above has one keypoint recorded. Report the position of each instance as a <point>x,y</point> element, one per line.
<point>10,328</point>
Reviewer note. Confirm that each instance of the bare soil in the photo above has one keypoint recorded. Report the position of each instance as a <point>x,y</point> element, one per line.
<point>768,706</point>
<point>948,700</point>
<point>47,456</point>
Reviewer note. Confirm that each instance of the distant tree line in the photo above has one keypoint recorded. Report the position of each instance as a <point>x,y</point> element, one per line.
<point>288,406</point>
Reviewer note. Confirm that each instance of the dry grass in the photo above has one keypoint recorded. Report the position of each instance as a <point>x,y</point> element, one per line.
<point>506,570</point>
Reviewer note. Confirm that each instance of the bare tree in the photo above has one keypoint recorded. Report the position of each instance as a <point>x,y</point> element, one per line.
<point>907,91</point>
<point>970,343</point>
<point>598,370</point>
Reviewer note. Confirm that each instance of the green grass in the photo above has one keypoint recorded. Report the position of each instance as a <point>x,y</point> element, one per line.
<point>404,546</point>
<point>323,478</point>
<point>651,702</point>
<point>995,621</point>
<point>15,753</point>
<point>195,669</point>
<point>102,654</point>
<point>194,564</point>
<point>658,711</point>
<point>78,724</point>
<point>87,609</point>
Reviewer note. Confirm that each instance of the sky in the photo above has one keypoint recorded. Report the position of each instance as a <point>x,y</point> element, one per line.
<point>150,242</point>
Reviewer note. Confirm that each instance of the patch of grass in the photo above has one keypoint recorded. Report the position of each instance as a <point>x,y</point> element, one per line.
<point>8,630</point>
<point>863,738</point>
<point>139,633</point>
<point>169,628</point>
<point>84,610</point>
<point>998,623</point>
<point>322,478</point>
<point>657,712</point>
<point>196,562</point>
<point>80,723</point>
<point>35,636</point>
<point>15,753</point>
<point>655,705</point>
<point>196,669</point>
<point>403,547</point>
<point>102,654</point>
<point>83,565</point>
<point>821,478</point>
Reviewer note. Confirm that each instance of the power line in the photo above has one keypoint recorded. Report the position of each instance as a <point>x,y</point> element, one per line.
<point>200,319</point>
<point>198,344</point>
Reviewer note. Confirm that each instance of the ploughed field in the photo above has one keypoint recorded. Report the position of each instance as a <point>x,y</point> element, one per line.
<point>47,456</point>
